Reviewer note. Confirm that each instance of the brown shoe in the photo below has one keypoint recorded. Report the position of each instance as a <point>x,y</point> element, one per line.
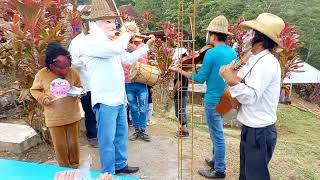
<point>182,134</point>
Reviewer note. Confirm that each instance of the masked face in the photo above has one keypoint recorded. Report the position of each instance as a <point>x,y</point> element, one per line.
<point>207,38</point>
<point>60,66</point>
<point>247,41</point>
<point>108,26</point>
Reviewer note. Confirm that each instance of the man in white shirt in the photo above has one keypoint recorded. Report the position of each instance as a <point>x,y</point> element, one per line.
<point>107,84</point>
<point>258,95</point>
<point>79,62</point>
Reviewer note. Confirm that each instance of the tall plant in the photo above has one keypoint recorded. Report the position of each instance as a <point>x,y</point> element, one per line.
<point>30,25</point>
<point>289,58</point>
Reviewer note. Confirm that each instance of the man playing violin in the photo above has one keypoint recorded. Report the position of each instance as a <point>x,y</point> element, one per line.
<point>107,85</point>
<point>214,58</point>
<point>258,93</point>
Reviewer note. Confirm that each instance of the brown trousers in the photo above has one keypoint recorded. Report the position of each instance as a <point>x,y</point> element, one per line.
<point>65,140</point>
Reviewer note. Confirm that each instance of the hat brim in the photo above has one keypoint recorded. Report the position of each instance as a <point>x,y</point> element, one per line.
<point>90,18</point>
<point>227,33</point>
<point>253,24</point>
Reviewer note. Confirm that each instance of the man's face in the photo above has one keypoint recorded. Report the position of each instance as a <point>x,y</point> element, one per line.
<point>210,38</point>
<point>247,41</point>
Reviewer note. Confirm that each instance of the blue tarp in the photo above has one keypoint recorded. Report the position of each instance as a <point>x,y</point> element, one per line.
<point>19,170</point>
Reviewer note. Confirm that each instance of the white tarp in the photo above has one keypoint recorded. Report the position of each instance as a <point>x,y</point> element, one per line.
<point>310,75</point>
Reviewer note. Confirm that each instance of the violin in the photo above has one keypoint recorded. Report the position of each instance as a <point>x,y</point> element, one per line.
<point>186,61</point>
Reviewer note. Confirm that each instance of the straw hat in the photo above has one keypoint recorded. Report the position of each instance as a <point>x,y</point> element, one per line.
<point>100,9</point>
<point>220,25</point>
<point>133,28</point>
<point>268,24</point>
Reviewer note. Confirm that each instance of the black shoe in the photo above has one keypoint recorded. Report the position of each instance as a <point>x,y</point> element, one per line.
<point>93,142</point>
<point>212,174</point>
<point>144,136</point>
<point>209,162</point>
<point>182,134</point>
<point>135,136</point>
<point>127,170</point>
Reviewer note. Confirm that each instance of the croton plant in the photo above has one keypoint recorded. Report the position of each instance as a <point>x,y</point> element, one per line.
<point>27,27</point>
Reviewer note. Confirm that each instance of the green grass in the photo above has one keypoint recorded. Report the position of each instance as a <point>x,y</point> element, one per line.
<point>298,146</point>
<point>297,154</point>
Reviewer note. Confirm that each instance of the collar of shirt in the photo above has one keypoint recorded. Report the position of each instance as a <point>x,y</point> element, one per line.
<point>256,57</point>
<point>252,60</point>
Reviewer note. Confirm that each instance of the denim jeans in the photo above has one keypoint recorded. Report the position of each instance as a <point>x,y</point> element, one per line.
<point>215,124</point>
<point>180,106</point>
<point>137,95</point>
<point>90,119</point>
<point>112,136</point>
<point>256,149</point>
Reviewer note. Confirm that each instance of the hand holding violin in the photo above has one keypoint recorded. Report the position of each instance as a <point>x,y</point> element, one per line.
<point>151,40</point>
<point>229,74</point>
<point>174,68</point>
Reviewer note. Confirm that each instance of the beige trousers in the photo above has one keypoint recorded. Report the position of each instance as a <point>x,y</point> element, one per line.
<point>65,140</point>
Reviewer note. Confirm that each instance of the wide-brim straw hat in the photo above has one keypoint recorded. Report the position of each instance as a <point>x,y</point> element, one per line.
<point>268,24</point>
<point>132,27</point>
<point>219,24</point>
<point>100,10</point>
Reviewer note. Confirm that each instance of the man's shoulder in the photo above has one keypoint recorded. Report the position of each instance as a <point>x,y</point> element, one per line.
<point>221,48</point>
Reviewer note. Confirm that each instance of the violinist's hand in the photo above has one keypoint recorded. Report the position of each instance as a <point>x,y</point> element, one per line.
<point>151,40</point>
<point>198,66</point>
<point>229,74</point>
<point>174,68</point>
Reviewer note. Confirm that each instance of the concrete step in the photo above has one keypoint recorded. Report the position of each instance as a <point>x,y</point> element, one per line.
<point>17,138</point>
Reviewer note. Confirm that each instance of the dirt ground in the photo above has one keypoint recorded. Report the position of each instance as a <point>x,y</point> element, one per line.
<point>159,160</point>
<point>305,105</point>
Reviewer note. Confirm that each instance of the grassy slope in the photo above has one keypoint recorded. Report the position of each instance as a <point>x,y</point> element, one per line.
<point>297,154</point>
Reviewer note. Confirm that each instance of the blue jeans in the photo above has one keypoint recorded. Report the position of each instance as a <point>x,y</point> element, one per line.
<point>112,136</point>
<point>215,124</point>
<point>137,95</point>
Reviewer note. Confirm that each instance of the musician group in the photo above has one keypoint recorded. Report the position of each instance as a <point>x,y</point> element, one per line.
<point>100,62</point>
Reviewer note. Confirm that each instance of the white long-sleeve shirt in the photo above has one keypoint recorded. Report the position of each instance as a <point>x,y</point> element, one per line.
<point>259,95</point>
<point>105,58</point>
<point>79,62</point>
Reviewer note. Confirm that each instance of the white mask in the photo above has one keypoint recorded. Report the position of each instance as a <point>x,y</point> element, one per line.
<point>207,38</point>
<point>247,41</point>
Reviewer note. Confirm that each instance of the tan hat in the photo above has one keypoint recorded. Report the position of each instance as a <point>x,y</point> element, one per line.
<point>268,24</point>
<point>219,24</point>
<point>132,27</point>
<point>100,9</point>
